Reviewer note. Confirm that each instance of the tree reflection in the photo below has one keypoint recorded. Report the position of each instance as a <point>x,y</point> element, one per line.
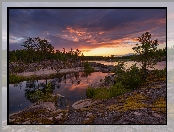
<point>31,83</point>
<point>86,74</point>
<point>18,85</point>
<point>43,91</point>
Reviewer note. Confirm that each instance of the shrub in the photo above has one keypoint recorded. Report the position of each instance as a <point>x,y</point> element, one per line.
<point>117,89</point>
<point>105,93</point>
<point>49,87</point>
<point>130,78</point>
<point>90,92</point>
<point>88,68</point>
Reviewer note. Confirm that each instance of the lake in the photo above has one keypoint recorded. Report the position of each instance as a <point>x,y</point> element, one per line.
<point>72,86</point>
<point>160,65</point>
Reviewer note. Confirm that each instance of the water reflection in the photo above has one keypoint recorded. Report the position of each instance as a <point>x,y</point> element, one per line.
<point>72,86</point>
<point>31,83</point>
<point>160,65</point>
<point>18,85</point>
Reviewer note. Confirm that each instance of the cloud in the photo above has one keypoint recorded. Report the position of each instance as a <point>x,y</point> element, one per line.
<point>86,28</point>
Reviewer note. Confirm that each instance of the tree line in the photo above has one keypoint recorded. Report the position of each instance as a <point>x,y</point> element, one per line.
<point>37,50</point>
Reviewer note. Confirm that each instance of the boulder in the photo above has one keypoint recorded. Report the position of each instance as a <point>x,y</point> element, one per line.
<point>83,103</point>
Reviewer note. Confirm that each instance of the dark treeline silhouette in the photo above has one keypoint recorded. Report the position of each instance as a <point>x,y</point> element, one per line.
<point>105,58</point>
<point>37,50</point>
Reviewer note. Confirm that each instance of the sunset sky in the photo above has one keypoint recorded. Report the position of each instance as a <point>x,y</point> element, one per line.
<point>100,32</point>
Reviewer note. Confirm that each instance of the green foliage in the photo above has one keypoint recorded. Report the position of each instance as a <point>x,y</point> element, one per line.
<point>15,79</point>
<point>105,93</point>
<point>36,95</point>
<point>130,78</point>
<point>159,73</point>
<point>117,89</point>
<point>88,68</point>
<point>43,95</point>
<point>48,87</point>
<point>120,69</point>
<point>146,52</point>
<point>90,92</point>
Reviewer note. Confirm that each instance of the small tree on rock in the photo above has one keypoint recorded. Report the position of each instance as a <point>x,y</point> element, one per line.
<point>145,53</point>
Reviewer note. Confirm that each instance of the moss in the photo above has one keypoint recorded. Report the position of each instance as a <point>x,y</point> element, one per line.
<point>133,102</point>
<point>133,105</point>
<point>159,105</point>
<point>114,107</point>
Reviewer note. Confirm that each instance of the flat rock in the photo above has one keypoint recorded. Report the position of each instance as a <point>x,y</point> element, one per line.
<point>83,103</point>
<point>48,105</point>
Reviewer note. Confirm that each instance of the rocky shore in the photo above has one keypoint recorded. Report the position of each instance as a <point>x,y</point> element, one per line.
<point>146,105</point>
<point>47,68</point>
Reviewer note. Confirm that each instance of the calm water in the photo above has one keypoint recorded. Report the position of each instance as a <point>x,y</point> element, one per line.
<point>160,65</point>
<point>72,86</point>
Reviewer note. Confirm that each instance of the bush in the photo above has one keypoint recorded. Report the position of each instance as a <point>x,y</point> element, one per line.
<point>88,68</point>
<point>133,78</point>
<point>49,87</point>
<point>130,78</point>
<point>105,93</point>
<point>117,89</point>
<point>90,92</point>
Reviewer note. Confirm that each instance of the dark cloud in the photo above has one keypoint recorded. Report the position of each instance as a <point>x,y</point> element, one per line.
<point>85,28</point>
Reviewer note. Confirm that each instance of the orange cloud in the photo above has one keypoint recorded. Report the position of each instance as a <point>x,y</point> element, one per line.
<point>101,32</point>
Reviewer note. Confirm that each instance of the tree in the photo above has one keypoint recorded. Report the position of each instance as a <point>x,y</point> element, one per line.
<point>145,53</point>
<point>38,48</point>
<point>77,53</point>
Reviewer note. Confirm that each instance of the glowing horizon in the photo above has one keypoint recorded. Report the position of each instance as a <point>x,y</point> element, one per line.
<point>95,32</point>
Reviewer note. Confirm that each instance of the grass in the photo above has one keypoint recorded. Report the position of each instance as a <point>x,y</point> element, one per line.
<point>106,93</point>
<point>16,78</point>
